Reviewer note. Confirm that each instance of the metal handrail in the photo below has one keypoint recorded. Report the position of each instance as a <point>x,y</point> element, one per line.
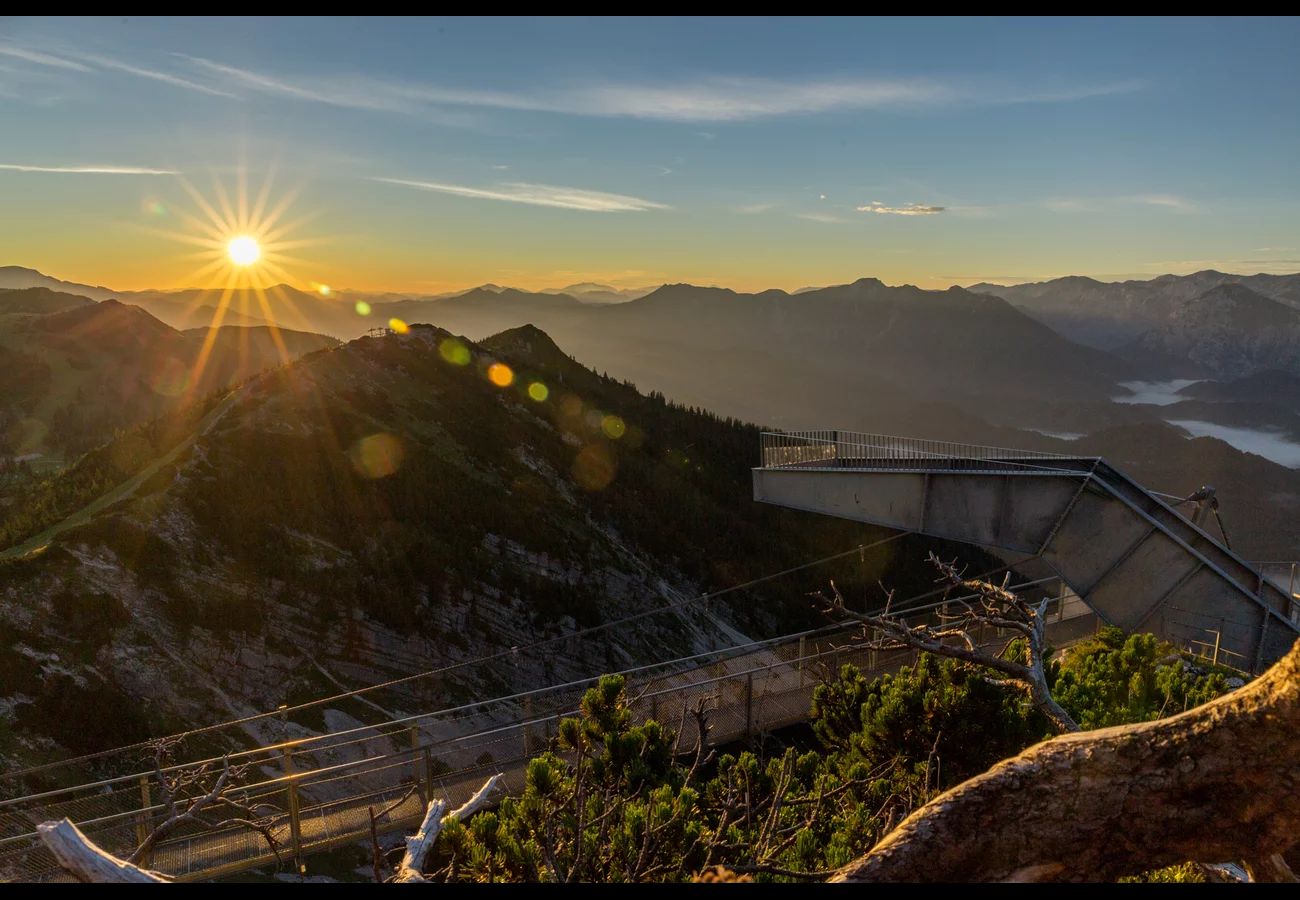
<point>854,449</point>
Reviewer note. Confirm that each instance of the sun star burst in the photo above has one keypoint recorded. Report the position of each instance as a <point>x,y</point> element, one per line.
<point>243,243</point>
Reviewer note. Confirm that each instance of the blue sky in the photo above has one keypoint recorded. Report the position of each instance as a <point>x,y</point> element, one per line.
<point>430,154</point>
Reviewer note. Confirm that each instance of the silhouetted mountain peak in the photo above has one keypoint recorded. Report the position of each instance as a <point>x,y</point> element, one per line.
<point>39,300</point>
<point>530,344</point>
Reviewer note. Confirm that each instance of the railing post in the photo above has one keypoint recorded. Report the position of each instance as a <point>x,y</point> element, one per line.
<point>749,704</point>
<point>428,776</point>
<point>295,822</point>
<point>528,728</point>
<point>802,640</point>
<point>417,768</point>
<point>142,821</point>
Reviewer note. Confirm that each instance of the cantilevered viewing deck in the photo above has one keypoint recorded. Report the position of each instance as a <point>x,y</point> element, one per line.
<point>1132,558</point>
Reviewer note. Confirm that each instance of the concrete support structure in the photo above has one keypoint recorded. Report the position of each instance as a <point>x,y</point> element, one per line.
<point>1134,560</point>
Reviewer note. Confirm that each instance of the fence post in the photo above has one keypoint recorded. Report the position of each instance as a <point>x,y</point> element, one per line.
<point>428,777</point>
<point>417,769</point>
<point>295,823</point>
<point>749,704</point>
<point>802,640</point>
<point>142,821</point>
<point>527,730</point>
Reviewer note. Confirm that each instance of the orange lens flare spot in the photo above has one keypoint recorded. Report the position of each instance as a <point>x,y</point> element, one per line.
<point>594,467</point>
<point>323,290</point>
<point>538,391</point>
<point>501,375</point>
<point>613,427</point>
<point>397,326</point>
<point>377,456</point>
<point>243,250</point>
<point>454,352</point>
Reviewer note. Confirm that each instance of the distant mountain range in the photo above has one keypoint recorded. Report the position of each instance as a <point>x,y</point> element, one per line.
<point>1209,323</point>
<point>1025,365</point>
<point>15,277</point>
<point>73,370</point>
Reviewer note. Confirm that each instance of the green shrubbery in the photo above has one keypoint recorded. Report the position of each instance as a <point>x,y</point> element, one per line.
<point>613,801</point>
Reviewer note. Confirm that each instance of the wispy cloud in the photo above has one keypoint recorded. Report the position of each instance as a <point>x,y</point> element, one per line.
<point>537,195</point>
<point>1172,202</point>
<point>717,98</point>
<point>710,99</point>
<point>738,99</point>
<point>1277,266</point>
<point>116,65</point>
<point>79,61</point>
<point>87,170</point>
<point>1167,201</point>
<point>910,209</point>
<point>1070,204</point>
<point>356,93</point>
<point>754,209</point>
<point>824,218</point>
<point>41,59</point>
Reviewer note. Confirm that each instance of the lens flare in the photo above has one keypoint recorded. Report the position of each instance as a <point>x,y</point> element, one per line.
<point>323,290</point>
<point>377,456</point>
<point>243,250</point>
<point>362,308</point>
<point>500,374</point>
<point>613,426</point>
<point>454,352</point>
<point>397,326</point>
<point>594,467</point>
<point>538,391</point>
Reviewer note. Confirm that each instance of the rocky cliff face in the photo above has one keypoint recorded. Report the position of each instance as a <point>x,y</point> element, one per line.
<point>1228,332</point>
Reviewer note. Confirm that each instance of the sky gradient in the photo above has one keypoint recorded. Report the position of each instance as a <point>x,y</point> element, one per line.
<point>437,154</point>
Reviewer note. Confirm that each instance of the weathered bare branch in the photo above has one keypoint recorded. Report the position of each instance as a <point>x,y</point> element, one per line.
<point>997,607</point>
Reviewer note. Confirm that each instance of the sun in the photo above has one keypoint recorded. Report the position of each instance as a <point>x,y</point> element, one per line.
<point>243,250</point>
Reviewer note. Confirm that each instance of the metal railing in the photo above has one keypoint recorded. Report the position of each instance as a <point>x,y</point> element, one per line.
<point>835,449</point>
<point>1285,576</point>
<point>325,788</point>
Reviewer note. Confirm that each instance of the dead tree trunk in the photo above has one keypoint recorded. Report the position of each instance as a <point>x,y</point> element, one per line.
<point>1221,781</point>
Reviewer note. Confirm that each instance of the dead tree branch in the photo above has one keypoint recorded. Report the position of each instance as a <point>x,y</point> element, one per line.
<point>191,795</point>
<point>960,620</point>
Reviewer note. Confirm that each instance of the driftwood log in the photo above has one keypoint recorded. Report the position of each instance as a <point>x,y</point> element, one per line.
<point>1218,782</point>
<point>86,862</point>
<point>418,845</point>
